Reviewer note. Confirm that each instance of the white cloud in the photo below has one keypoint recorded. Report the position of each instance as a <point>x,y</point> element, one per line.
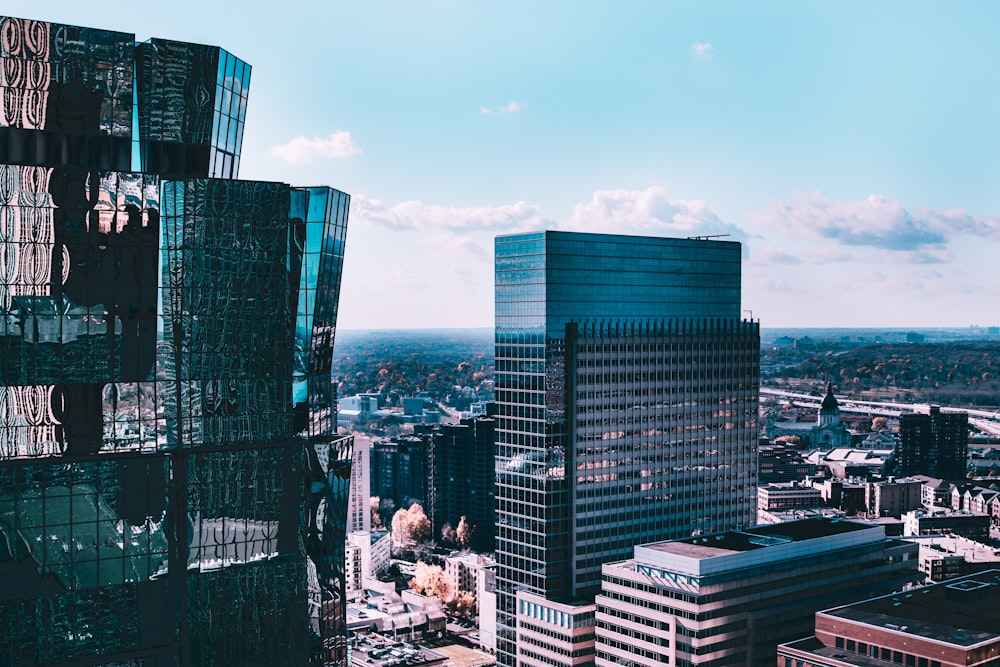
<point>811,257</point>
<point>649,211</point>
<point>302,150</point>
<point>702,50</point>
<point>510,107</point>
<point>419,215</point>
<point>918,235</point>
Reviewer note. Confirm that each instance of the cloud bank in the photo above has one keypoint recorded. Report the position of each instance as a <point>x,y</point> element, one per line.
<point>302,150</point>
<point>418,215</point>
<point>652,212</point>
<point>879,222</point>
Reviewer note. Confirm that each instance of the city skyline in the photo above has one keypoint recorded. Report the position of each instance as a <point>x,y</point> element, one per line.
<point>852,148</point>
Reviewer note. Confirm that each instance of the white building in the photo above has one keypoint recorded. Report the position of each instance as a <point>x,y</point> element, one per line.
<point>486,598</point>
<point>554,633</point>
<point>365,555</point>
<point>462,571</point>
<point>359,516</point>
<point>730,598</point>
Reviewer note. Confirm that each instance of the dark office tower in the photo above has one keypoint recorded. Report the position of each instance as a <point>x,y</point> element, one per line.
<point>627,391</point>
<point>171,487</point>
<point>465,478</point>
<point>400,470</point>
<point>936,444</point>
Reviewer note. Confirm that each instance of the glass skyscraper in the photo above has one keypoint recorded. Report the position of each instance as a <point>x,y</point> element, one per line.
<point>172,489</point>
<point>627,389</point>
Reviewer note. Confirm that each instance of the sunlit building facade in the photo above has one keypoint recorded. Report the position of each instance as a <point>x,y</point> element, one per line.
<point>627,390</point>
<point>172,490</point>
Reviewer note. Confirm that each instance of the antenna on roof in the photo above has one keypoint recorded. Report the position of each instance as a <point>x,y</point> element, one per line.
<point>706,237</point>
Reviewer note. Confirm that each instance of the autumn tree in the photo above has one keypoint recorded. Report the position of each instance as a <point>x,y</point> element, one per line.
<point>462,605</point>
<point>879,423</point>
<point>410,526</point>
<point>373,507</point>
<point>429,580</point>
<point>465,532</point>
<point>448,534</point>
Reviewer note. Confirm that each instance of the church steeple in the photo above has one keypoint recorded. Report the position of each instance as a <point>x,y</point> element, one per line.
<point>829,412</point>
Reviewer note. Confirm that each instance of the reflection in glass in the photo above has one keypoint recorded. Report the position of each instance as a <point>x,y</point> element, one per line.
<point>172,488</point>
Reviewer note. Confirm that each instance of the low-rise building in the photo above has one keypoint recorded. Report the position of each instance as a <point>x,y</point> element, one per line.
<point>847,462</point>
<point>845,494</point>
<point>935,492</point>
<point>948,556</point>
<point>784,516</point>
<point>781,462</point>
<point>787,496</point>
<point>938,520</point>
<point>730,598</point>
<point>951,624</point>
<point>384,609</point>
<point>463,571</point>
<point>892,497</point>
<point>366,554</point>
<point>554,633</point>
<point>370,649</point>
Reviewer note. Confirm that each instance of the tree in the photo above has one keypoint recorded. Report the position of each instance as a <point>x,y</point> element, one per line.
<point>373,507</point>
<point>462,605</point>
<point>448,535</point>
<point>465,532</point>
<point>410,525</point>
<point>880,423</point>
<point>429,580</point>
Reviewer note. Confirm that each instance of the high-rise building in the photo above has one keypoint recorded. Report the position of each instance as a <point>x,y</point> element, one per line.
<point>359,515</point>
<point>627,391</point>
<point>464,479</point>
<point>399,471</point>
<point>172,489</point>
<point>730,598</point>
<point>935,444</point>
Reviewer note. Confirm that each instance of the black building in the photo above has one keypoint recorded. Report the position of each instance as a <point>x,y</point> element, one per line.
<point>465,479</point>
<point>166,336</point>
<point>401,468</point>
<point>936,444</point>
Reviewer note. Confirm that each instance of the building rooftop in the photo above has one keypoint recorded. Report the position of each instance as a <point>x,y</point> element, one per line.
<point>955,545</point>
<point>759,537</point>
<point>963,612</point>
<point>764,545</point>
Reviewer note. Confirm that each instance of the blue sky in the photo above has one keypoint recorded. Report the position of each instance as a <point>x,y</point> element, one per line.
<point>854,147</point>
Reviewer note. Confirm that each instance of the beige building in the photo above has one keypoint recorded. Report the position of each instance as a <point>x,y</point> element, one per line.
<point>730,598</point>
<point>948,556</point>
<point>893,497</point>
<point>554,633</point>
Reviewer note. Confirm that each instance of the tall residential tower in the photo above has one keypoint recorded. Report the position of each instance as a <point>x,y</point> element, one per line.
<point>627,389</point>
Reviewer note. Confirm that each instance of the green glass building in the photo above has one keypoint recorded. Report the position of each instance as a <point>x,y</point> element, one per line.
<point>172,489</point>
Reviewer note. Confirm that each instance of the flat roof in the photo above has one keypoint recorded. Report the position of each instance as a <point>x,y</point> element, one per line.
<point>963,611</point>
<point>706,555</point>
<point>758,537</point>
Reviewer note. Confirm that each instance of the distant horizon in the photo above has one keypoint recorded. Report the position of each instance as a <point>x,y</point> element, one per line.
<point>763,327</point>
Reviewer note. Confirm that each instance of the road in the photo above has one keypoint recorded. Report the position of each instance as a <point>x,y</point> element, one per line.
<point>984,420</point>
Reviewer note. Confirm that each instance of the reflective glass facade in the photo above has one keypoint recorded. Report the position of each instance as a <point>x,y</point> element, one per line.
<point>172,490</point>
<point>627,396</point>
